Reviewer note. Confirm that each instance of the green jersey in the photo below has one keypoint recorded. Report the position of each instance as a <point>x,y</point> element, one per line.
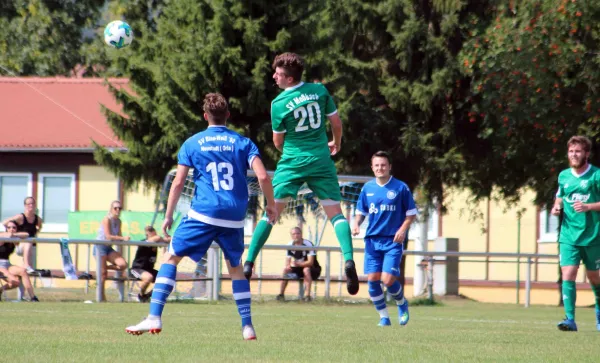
<point>579,228</point>
<point>300,112</point>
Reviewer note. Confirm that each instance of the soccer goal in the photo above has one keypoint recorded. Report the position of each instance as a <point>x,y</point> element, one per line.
<point>298,209</point>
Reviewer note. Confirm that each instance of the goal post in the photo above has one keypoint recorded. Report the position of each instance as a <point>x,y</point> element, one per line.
<point>297,209</point>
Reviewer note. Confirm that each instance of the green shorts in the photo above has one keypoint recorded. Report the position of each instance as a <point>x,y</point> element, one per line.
<point>571,255</point>
<point>317,172</point>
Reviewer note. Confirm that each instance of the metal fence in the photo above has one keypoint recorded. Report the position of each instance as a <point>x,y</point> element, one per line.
<point>214,263</point>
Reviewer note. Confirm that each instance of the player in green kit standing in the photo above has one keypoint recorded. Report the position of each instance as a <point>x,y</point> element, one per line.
<point>298,117</point>
<point>579,195</point>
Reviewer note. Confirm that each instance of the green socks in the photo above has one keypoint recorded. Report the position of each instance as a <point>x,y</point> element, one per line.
<point>596,290</point>
<point>343,234</point>
<point>569,297</point>
<point>259,237</point>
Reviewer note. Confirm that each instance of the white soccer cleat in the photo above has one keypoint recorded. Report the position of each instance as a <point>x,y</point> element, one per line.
<point>248,332</point>
<point>152,326</point>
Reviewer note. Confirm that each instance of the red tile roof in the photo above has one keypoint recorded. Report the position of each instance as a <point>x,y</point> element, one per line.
<point>55,113</point>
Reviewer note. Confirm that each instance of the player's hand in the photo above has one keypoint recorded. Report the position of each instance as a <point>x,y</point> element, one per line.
<point>333,147</point>
<point>399,236</point>
<point>272,214</point>
<point>355,231</point>
<point>555,210</point>
<point>126,238</point>
<point>167,223</point>
<point>580,207</point>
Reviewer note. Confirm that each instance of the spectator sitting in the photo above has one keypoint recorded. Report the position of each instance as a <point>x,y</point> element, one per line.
<point>110,229</point>
<point>302,263</point>
<point>31,223</point>
<point>143,263</point>
<point>13,273</point>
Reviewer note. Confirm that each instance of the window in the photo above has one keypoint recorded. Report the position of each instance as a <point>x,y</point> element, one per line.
<point>548,228</point>
<point>14,188</point>
<point>432,226</point>
<point>57,199</point>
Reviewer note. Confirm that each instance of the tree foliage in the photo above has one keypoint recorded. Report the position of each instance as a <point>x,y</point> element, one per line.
<point>197,48</point>
<point>44,38</point>
<point>535,84</point>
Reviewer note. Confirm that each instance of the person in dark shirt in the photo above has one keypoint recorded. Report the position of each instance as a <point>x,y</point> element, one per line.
<point>31,223</point>
<point>143,263</point>
<point>14,275</point>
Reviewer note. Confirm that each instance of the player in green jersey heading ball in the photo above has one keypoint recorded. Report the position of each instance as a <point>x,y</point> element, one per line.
<point>298,118</point>
<point>579,196</point>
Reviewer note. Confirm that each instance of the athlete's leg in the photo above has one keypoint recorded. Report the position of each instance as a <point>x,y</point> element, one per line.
<point>260,236</point>
<point>344,236</point>
<point>390,273</point>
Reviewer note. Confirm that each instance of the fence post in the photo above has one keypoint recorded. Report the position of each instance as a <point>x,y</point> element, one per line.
<point>340,276</point>
<point>99,281</point>
<point>528,283</point>
<point>327,273</point>
<point>120,275</point>
<point>215,276</point>
<point>260,267</point>
<point>430,278</point>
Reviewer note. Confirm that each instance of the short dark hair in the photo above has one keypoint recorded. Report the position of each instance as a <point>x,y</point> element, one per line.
<point>27,198</point>
<point>149,229</point>
<point>292,64</point>
<point>580,140</point>
<point>216,106</point>
<point>382,154</point>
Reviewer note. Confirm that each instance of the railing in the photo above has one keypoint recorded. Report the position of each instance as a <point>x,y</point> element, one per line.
<point>214,262</point>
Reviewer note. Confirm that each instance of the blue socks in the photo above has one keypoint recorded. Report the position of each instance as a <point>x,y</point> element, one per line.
<point>165,282</point>
<point>241,295</point>
<point>397,292</point>
<point>376,294</point>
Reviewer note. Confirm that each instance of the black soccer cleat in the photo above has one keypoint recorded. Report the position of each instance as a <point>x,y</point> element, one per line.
<point>248,267</point>
<point>351,278</point>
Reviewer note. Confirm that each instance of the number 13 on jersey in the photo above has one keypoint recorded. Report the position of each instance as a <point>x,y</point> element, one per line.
<point>221,175</point>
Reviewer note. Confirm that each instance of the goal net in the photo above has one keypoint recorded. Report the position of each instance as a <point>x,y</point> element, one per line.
<point>297,209</point>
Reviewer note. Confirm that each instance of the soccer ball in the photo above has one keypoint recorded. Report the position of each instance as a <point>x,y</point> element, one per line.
<point>118,34</point>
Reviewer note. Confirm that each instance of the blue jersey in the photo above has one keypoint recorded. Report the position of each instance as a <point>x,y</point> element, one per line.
<point>385,206</point>
<point>220,159</point>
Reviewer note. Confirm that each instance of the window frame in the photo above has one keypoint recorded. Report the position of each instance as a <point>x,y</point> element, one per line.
<point>18,174</point>
<point>545,237</point>
<point>55,227</point>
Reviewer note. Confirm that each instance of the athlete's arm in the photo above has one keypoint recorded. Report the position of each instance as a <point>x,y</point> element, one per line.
<point>278,138</point>
<point>267,188</point>
<point>174,194</point>
<point>336,129</point>
<point>358,219</point>
<point>558,205</point>
<point>401,233</point>
<point>581,207</point>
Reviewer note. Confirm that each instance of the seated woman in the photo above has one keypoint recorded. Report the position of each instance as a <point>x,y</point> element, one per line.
<point>11,273</point>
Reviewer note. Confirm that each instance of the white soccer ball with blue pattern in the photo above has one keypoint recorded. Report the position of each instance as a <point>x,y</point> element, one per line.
<point>118,34</point>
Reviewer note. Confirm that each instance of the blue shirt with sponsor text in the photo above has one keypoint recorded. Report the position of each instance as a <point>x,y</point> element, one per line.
<point>385,206</point>
<point>220,158</point>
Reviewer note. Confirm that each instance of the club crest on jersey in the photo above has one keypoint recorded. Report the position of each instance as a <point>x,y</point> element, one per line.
<point>373,209</point>
<point>583,183</point>
<point>391,194</point>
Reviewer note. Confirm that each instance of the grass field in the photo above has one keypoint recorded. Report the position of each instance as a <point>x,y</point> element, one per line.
<point>458,331</point>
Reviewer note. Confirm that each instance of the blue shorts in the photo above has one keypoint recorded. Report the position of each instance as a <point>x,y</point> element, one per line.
<point>193,238</point>
<point>105,250</point>
<point>383,255</point>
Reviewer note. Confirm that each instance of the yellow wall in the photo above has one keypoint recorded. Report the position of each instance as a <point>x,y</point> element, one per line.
<point>97,188</point>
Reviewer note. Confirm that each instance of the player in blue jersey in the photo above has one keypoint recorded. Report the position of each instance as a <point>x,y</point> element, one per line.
<point>390,208</point>
<point>220,159</point>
